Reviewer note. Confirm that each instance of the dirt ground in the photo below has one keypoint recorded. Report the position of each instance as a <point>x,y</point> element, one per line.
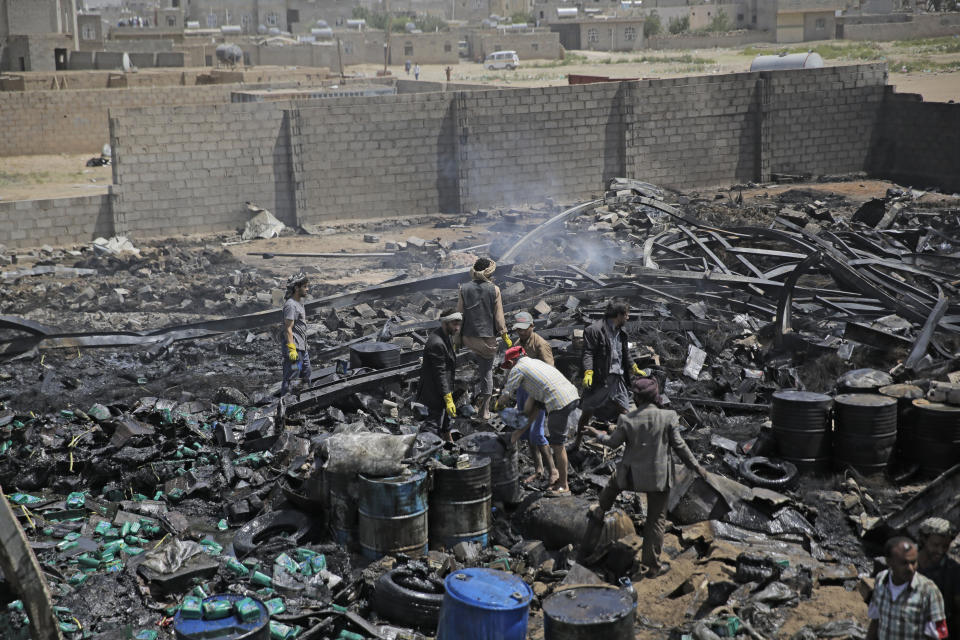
<point>51,176</point>
<point>935,86</point>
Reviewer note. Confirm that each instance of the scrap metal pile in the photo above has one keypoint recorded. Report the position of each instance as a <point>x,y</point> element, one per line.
<point>161,468</point>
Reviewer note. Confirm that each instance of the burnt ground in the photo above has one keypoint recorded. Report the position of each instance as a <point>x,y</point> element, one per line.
<point>63,413</point>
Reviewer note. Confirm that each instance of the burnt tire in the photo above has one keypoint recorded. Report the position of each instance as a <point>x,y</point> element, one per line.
<point>768,474</point>
<point>401,604</point>
<point>289,521</point>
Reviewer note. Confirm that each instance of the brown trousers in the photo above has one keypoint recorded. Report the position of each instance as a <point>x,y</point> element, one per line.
<point>653,527</point>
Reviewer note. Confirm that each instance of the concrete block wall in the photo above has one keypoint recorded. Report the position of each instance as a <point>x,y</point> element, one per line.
<point>365,158</point>
<point>823,121</point>
<point>706,40</point>
<point>525,145</point>
<point>57,221</point>
<point>919,142</point>
<point>693,131</point>
<point>76,121</point>
<point>920,26</point>
<point>190,169</point>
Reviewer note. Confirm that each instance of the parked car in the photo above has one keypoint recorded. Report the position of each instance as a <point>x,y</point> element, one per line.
<point>502,60</point>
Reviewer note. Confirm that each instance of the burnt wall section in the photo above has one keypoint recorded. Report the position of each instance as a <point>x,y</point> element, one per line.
<point>918,143</point>
<point>56,221</point>
<point>365,158</point>
<point>525,145</point>
<point>694,131</point>
<point>191,169</point>
<point>822,121</point>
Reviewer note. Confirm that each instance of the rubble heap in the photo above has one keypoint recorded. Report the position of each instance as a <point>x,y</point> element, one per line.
<point>162,469</point>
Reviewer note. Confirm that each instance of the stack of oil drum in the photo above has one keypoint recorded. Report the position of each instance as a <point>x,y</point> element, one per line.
<point>869,423</point>
<point>419,510</point>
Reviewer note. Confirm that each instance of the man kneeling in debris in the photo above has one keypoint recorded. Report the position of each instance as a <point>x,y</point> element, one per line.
<point>650,433</point>
<point>538,348</point>
<point>437,373</point>
<point>933,562</point>
<point>906,605</point>
<point>547,390</point>
<point>296,358</point>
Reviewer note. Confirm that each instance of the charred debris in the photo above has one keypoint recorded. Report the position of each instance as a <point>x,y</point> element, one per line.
<point>149,463</point>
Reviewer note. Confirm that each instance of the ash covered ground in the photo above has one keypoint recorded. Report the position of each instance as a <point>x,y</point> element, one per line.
<point>146,473</point>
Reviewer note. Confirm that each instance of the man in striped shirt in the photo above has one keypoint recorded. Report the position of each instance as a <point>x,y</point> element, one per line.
<point>548,390</point>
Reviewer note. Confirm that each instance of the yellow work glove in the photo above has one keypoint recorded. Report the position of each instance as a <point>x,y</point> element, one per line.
<point>292,352</point>
<point>588,378</point>
<point>640,372</point>
<point>506,340</point>
<point>451,408</point>
<point>500,403</point>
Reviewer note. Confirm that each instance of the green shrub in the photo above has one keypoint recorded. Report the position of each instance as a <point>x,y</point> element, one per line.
<point>679,25</point>
<point>652,25</point>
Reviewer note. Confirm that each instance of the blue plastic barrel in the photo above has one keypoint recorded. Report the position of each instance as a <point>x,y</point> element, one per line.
<point>393,515</point>
<point>484,604</point>
<point>229,628</point>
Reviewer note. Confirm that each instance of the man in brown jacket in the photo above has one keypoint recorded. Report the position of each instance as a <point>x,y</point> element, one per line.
<point>482,308</point>
<point>650,434</point>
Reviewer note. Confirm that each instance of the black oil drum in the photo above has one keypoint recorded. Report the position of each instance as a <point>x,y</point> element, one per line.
<point>933,439</point>
<point>375,355</point>
<point>904,394</point>
<point>866,431</point>
<point>589,613</point>
<point>801,428</point>
<point>863,381</point>
<point>460,504</point>
<point>343,495</point>
<point>504,464</point>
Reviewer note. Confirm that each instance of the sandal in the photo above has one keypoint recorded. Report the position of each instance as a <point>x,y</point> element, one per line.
<point>557,493</point>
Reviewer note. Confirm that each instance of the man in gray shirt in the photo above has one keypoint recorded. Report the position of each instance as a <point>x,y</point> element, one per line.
<point>296,358</point>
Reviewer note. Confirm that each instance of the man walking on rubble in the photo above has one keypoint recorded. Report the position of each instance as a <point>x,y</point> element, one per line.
<point>650,434</point>
<point>906,605</point>
<point>538,348</point>
<point>437,373</point>
<point>935,537</point>
<point>296,357</point>
<point>549,391</point>
<point>482,308</point>
<point>606,366</point>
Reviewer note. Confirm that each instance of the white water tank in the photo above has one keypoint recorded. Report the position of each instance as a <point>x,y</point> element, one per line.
<point>566,12</point>
<point>809,60</point>
<point>232,29</point>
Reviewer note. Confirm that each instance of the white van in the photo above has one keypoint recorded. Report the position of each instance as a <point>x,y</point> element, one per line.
<point>502,60</point>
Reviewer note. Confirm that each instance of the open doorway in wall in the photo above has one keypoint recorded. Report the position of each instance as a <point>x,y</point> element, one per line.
<point>60,59</point>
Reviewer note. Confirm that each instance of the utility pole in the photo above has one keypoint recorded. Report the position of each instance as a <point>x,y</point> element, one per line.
<point>386,42</point>
<point>340,58</point>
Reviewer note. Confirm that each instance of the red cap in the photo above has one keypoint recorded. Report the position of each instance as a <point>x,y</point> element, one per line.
<point>511,356</point>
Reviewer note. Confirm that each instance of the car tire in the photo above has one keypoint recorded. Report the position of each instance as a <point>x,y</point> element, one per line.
<point>403,605</point>
<point>490,67</point>
<point>768,474</point>
<point>262,527</point>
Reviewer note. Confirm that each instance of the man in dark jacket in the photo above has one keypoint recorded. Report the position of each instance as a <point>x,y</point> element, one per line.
<point>437,373</point>
<point>606,366</point>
